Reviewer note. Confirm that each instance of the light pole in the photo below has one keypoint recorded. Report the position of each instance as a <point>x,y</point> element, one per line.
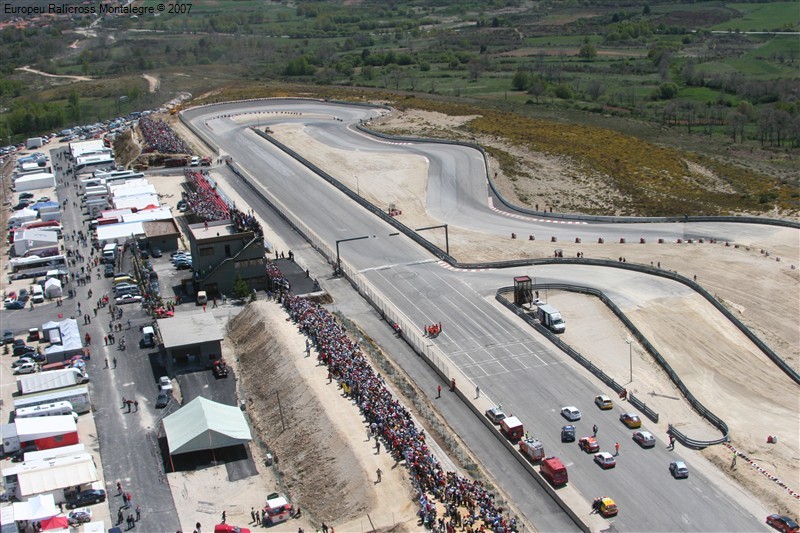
<point>338,257</point>
<point>630,358</point>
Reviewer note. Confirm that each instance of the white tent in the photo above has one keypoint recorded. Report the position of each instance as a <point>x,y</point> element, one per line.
<point>118,232</point>
<point>23,215</point>
<point>32,182</point>
<point>205,425</point>
<point>52,288</point>
<point>34,238</point>
<point>36,508</point>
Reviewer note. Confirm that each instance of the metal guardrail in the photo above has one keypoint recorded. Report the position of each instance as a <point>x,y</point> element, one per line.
<point>584,218</point>
<point>566,348</point>
<point>436,251</point>
<point>652,415</point>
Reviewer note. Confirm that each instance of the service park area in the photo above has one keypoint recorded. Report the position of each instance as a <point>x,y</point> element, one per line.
<point>235,341</point>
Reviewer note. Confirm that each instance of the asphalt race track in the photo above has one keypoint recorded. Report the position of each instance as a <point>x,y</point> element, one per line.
<point>495,350</point>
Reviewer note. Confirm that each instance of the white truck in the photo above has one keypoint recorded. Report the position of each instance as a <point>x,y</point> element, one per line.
<point>34,142</point>
<point>54,379</point>
<point>550,318</point>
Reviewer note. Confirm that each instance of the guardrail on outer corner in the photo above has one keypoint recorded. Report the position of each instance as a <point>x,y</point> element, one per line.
<point>568,216</point>
<point>652,415</point>
<point>438,252</point>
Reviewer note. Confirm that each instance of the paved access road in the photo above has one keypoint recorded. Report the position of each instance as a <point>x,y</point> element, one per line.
<point>499,353</point>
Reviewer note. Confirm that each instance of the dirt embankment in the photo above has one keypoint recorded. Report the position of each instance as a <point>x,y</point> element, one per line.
<point>324,476</point>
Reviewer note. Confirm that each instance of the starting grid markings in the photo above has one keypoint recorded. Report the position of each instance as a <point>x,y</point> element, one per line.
<point>530,219</point>
<point>448,266</point>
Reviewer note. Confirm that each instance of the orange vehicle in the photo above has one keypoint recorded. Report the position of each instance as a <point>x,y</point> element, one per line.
<point>554,471</point>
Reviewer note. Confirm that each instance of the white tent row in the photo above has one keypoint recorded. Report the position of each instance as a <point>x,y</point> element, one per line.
<point>36,508</point>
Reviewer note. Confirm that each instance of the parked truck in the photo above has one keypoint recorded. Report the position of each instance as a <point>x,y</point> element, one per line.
<point>55,379</point>
<point>550,318</point>
<point>511,427</point>
<point>532,448</point>
<point>34,142</point>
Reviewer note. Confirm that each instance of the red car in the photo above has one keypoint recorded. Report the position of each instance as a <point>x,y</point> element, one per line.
<point>783,523</point>
<point>589,445</point>
<point>227,528</point>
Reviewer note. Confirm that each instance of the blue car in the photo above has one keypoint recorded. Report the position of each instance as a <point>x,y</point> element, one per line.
<point>15,304</point>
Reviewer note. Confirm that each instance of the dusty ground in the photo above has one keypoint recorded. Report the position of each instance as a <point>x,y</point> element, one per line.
<point>726,373</point>
<point>330,467</point>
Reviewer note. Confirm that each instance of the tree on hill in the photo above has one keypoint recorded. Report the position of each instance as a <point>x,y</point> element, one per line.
<point>588,52</point>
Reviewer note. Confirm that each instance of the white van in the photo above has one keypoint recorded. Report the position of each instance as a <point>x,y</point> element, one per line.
<point>148,337</point>
<point>109,253</point>
<point>47,409</point>
<point>37,295</point>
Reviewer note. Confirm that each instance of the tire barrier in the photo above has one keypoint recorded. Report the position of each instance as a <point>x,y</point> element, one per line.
<point>642,240</point>
<point>769,476</point>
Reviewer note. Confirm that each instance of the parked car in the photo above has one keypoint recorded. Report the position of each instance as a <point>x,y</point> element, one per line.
<point>26,368</point>
<point>589,445</point>
<point>81,516</point>
<point>631,420</point>
<point>23,349</point>
<point>21,205</point>
<point>156,252</point>
<point>162,400</point>
<point>164,383</point>
<point>605,460</point>
<point>144,254</point>
<point>571,413</point>
<point>8,337</point>
<point>183,265</point>
<point>86,497</point>
<point>603,402</point>
<point>14,304</point>
<point>23,295</point>
<point>783,523</point>
<point>568,433</point>
<point>109,271</point>
<point>128,299</point>
<point>645,439</point>
<point>678,469</point>
<point>495,414</point>
<point>21,361</point>
<point>25,196</point>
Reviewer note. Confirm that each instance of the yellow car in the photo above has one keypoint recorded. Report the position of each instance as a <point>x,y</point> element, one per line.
<point>631,420</point>
<point>603,402</point>
<point>605,506</point>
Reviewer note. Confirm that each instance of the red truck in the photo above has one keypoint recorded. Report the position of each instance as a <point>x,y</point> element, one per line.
<point>176,162</point>
<point>554,471</point>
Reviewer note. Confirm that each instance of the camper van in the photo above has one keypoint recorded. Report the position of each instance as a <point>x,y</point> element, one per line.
<point>48,409</point>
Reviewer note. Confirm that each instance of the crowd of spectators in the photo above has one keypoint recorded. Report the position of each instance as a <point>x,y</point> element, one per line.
<point>203,198</point>
<point>466,503</point>
<point>159,137</point>
<point>246,222</point>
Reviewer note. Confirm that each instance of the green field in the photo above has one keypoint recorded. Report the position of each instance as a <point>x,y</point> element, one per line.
<point>772,16</point>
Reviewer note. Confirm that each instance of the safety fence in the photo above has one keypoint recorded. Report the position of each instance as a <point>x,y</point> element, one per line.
<point>326,250</point>
<point>639,336</point>
<point>579,217</point>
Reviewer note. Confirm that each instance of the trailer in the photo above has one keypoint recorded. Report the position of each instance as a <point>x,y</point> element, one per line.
<point>78,396</point>
<point>34,142</point>
<point>55,379</point>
